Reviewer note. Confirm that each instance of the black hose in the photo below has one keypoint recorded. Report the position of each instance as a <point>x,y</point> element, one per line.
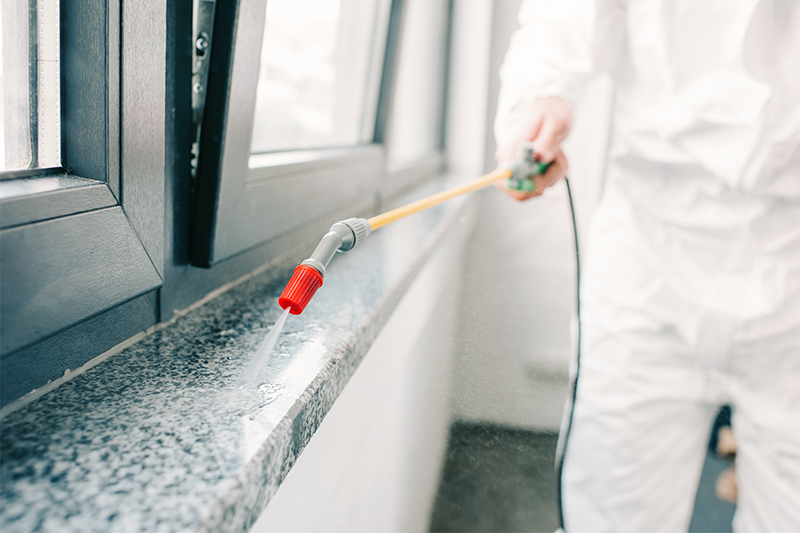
<point>560,471</point>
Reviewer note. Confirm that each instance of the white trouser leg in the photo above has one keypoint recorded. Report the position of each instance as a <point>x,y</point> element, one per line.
<point>644,402</point>
<point>637,472</point>
<point>768,478</point>
<point>638,440</point>
<point>765,389</point>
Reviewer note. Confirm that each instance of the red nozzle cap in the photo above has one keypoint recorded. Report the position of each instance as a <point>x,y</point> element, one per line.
<point>300,289</point>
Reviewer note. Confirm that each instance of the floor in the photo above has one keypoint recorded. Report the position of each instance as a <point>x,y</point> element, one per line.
<point>500,480</point>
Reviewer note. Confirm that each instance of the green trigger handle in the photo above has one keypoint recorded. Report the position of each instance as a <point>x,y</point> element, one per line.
<point>527,184</point>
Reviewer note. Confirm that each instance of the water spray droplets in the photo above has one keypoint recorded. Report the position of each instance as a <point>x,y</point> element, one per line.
<point>255,370</point>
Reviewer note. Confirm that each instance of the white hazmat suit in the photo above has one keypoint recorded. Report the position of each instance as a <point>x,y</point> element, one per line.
<point>691,286</point>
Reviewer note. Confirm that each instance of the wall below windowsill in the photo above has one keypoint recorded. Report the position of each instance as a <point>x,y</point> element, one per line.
<point>162,437</point>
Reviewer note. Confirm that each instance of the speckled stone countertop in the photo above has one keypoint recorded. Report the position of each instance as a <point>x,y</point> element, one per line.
<point>163,436</point>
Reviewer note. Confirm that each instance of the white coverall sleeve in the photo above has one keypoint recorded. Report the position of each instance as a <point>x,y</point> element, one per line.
<point>550,55</point>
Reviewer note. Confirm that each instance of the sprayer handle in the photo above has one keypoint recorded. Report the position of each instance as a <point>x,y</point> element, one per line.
<point>526,184</point>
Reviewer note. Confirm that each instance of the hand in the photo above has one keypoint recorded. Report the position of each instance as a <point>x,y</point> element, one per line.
<point>546,123</point>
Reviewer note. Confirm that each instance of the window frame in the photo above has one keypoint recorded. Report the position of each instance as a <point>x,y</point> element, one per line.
<point>126,191</point>
<point>83,239</point>
<point>236,206</point>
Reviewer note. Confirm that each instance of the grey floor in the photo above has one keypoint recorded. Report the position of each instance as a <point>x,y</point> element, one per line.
<point>499,479</point>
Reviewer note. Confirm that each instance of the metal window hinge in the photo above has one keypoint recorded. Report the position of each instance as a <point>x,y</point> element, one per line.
<point>203,32</point>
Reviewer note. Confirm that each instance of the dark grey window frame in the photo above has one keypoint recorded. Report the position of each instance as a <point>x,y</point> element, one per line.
<point>103,246</point>
<point>81,240</point>
<point>244,200</point>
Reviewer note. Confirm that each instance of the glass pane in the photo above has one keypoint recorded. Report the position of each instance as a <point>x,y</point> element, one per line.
<point>30,106</point>
<point>316,74</point>
<point>415,127</point>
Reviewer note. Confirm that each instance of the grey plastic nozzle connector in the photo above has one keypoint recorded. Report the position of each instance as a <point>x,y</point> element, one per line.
<point>525,166</point>
<point>342,237</point>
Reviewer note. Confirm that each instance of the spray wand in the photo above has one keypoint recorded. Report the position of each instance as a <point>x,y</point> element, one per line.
<point>347,234</point>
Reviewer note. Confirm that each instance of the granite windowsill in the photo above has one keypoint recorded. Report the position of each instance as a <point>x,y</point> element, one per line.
<point>162,436</point>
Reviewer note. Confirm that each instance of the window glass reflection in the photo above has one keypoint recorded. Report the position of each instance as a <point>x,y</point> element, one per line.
<point>315,74</point>
<point>415,128</point>
<point>30,97</point>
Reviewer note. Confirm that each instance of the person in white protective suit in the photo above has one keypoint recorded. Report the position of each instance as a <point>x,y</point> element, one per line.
<point>691,287</point>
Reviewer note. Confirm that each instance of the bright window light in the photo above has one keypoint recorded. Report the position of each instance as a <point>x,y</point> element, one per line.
<point>315,72</point>
<point>30,106</point>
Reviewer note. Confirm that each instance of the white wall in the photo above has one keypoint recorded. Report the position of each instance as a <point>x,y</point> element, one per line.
<point>518,294</point>
<point>374,463</point>
<point>514,330</point>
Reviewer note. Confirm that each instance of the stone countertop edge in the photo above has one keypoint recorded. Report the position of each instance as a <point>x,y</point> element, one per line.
<point>257,483</point>
<point>162,437</point>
